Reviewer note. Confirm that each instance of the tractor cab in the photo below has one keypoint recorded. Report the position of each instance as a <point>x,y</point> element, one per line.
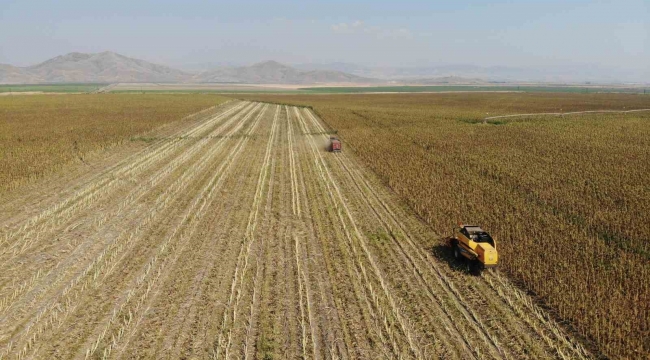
<point>478,235</point>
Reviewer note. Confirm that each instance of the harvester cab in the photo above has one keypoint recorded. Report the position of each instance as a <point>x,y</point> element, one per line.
<point>335,144</point>
<point>475,245</point>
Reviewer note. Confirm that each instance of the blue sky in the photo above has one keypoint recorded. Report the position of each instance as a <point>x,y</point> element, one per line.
<point>388,33</point>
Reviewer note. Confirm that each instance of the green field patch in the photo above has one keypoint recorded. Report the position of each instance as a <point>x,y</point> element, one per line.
<point>464,88</point>
<point>51,88</point>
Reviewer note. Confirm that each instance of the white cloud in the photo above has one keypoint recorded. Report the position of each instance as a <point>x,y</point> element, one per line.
<point>360,27</point>
<point>353,27</point>
<point>372,30</point>
<point>403,33</point>
<point>340,28</point>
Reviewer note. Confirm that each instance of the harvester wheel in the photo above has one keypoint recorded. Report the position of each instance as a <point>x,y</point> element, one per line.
<point>475,268</point>
<point>457,254</point>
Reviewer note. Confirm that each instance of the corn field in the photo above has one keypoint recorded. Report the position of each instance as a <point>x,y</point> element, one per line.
<point>234,234</point>
<point>566,197</point>
<point>40,134</point>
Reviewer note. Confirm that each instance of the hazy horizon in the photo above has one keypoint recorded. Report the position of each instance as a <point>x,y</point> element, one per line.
<point>606,37</point>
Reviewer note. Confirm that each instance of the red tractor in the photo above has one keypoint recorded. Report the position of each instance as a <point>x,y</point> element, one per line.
<point>335,144</point>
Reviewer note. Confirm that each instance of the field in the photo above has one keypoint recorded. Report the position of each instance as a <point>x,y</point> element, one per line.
<point>40,134</point>
<point>205,88</point>
<point>476,88</point>
<point>51,88</point>
<point>234,234</point>
<point>566,197</point>
<point>149,88</point>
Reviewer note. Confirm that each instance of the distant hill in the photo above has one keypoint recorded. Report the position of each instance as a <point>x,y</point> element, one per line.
<point>272,72</point>
<point>109,67</point>
<point>350,68</point>
<point>470,74</point>
<point>446,80</point>
<point>10,74</point>
<point>105,67</point>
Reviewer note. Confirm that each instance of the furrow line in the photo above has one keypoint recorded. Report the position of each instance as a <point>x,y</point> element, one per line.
<point>185,328</point>
<point>103,217</point>
<point>172,249</point>
<point>301,281</point>
<point>93,178</point>
<point>359,290</point>
<point>342,206</point>
<point>122,166</point>
<point>315,259</point>
<point>324,218</point>
<point>253,316</point>
<point>522,305</point>
<point>43,271</point>
<point>249,239</point>
<point>207,259</point>
<point>55,215</point>
<point>354,266</point>
<point>111,254</point>
<point>295,195</point>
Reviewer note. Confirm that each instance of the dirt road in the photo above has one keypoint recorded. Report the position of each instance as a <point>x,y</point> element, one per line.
<point>239,236</point>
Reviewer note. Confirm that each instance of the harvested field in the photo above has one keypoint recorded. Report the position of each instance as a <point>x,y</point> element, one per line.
<point>41,134</point>
<point>565,194</point>
<point>238,236</point>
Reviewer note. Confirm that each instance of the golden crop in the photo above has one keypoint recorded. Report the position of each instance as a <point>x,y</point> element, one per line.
<point>567,198</point>
<point>39,134</point>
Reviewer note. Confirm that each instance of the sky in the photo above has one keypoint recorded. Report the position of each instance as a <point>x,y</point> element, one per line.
<point>406,33</point>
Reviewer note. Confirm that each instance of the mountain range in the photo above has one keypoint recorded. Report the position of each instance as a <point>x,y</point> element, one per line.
<point>272,72</point>
<point>109,67</point>
<point>468,73</point>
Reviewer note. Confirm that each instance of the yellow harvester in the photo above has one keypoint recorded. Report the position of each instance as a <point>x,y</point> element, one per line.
<point>474,244</point>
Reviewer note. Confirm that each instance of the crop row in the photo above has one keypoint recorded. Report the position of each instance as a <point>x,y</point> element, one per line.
<point>40,134</point>
<point>566,198</point>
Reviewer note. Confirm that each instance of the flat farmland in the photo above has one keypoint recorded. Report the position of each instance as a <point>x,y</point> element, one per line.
<point>39,135</point>
<point>236,235</point>
<point>566,196</point>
